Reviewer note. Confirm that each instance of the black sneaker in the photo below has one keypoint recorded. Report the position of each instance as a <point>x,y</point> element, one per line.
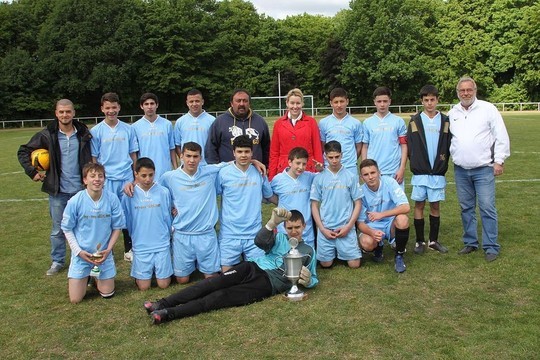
<point>420,247</point>
<point>435,245</point>
<point>159,316</point>
<point>378,255</point>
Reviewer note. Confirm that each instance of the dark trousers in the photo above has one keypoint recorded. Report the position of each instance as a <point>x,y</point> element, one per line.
<point>245,283</point>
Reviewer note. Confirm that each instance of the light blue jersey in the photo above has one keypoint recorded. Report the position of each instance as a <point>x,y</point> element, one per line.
<point>241,196</point>
<point>294,195</point>
<point>337,194</point>
<point>148,219</point>
<point>348,132</point>
<point>432,129</point>
<point>194,198</point>
<point>387,197</point>
<point>112,146</point>
<point>189,128</point>
<point>156,140</point>
<point>92,222</point>
<point>382,137</point>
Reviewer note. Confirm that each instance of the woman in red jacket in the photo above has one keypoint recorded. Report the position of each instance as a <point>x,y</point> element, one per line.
<point>294,129</point>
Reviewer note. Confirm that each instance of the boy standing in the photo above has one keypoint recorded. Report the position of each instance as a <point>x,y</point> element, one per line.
<point>343,128</point>
<point>384,214</point>
<point>193,126</point>
<point>114,145</point>
<point>148,218</point>
<point>292,187</point>
<point>335,205</point>
<point>193,189</point>
<point>428,142</point>
<point>92,222</point>
<point>155,136</point>
<point>385,137</point>
<point>242,189</point>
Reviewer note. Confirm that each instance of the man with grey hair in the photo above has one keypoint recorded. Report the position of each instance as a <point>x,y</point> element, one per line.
<point>68,143</point>
<point>479,147</point>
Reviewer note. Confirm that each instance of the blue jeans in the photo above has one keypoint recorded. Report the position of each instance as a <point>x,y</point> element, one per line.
<point>470,185</point>
<point>57,204</point>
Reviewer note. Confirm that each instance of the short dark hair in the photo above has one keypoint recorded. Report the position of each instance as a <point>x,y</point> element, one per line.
<point>298,153</point>
<point>91,166</point>
<point>295,216</point>
<point>367,163</point>
<point>194,92</point>
<point>242,141</point>
<point>428,90</point>
<point>382,90</point>
<point>332,146</point>
<point>110,97</point>
<point>147,96</point>
<point>338,92</point>
<point>240,90</point>
<point>192,146</point>
<point>144,162</point>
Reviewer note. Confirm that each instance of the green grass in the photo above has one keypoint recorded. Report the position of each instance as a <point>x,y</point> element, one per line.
<point>443,307</point>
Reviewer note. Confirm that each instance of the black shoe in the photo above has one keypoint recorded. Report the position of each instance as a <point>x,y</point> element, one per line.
<point>159,316</point>
<point>151,306</point>
<point>378,255</point>
<point>420,247</point>
<point>437,246</point>
<point>491,257</point>
<point>467,250</point>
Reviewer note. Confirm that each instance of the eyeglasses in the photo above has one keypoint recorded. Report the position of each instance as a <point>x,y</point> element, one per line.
<point>464,91</point>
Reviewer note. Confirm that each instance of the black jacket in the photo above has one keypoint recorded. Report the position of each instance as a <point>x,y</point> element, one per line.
<point>417,148</point>
<point>48,139</point>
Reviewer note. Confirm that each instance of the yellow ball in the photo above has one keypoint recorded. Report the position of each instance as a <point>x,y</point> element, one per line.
<point>40,159</point>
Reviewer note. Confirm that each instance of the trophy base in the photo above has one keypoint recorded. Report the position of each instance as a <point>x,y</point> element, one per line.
<point>295,297</point>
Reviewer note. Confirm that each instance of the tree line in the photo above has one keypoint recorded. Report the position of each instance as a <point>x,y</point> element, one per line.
<point>79,49</point>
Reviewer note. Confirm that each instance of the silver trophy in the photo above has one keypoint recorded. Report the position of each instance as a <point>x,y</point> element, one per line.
<point>293,263</point>
<point>95,256</point>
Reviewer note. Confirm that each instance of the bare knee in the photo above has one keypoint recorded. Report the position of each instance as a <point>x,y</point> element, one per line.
<point>354,264</point>
<point>164,283</point>
<point>182,279</point>
<point>402,221</point>
<point>326,264</point>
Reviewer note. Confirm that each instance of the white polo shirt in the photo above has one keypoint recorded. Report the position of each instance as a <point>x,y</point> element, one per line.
<point>479,136</point>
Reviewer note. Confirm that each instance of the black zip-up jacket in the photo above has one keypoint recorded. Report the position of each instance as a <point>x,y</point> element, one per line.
<point>417,147</point>
<point>48,139</point>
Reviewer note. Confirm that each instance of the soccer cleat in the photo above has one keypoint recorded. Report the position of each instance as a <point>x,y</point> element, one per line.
<point>378,255</point>
<point>151,306</point>
<point>399,264</point>
<point>159,316</point>
<point>128,256</point>
<point>54,269</point>
<point>467,250</point>
<point>420,247</point>
<point>435,245</point>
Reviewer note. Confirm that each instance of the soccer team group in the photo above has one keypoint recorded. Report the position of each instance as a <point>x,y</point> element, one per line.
<point>158,184</point>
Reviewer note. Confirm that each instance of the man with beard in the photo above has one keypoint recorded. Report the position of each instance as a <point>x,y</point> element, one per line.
<point>238,120</point>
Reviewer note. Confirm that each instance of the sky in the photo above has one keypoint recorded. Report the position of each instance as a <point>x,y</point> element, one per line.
<point>279,9</point>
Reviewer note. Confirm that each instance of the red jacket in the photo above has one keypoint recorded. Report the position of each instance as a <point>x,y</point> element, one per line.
<point>285,137</point>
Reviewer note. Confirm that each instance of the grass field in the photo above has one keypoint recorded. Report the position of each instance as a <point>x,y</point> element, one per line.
<point>443,307</point>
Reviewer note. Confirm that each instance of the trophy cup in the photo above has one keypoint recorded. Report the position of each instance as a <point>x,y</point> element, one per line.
<point>95,256</point>
<point>293,262</point>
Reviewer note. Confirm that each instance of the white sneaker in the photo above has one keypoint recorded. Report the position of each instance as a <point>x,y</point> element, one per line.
<point>128,256</point>
<point>54,269</point>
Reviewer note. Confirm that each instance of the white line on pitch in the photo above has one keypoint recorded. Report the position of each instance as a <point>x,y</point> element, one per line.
<point>21,200</point>
<point>526,152</point>
<point>12,173</point>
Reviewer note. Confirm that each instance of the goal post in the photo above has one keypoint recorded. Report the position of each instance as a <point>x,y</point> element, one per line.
<point>276,106</point>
